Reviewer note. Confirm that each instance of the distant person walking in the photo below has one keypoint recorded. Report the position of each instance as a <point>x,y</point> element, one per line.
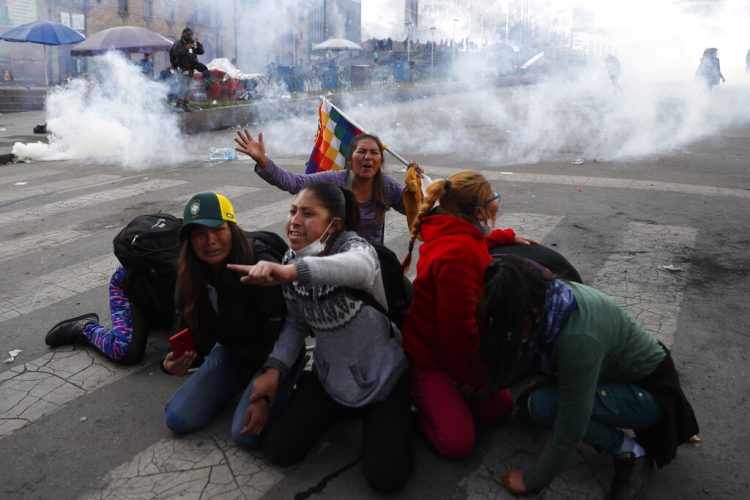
<point>709,69</point>
<point>612,64</point>
<point>146,65</point>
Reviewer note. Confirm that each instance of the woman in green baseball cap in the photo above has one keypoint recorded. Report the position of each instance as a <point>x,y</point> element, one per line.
<point>234,326</point>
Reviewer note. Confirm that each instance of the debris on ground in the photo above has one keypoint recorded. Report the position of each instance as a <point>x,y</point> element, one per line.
<point>671,268</point>
<point>13,354</point>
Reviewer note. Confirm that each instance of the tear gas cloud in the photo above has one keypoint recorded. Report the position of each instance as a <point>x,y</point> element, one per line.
<point>659,110</point>
<point>117,115</point>
<point>561,115</point>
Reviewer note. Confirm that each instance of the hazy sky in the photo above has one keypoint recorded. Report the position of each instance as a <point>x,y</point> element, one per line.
<point>382,18</point>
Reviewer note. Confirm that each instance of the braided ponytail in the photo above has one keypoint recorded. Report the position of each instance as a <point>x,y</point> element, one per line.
<point>435,191</point>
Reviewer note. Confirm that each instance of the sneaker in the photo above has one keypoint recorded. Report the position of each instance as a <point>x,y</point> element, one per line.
<point>631,476</point>
<point>69,331</point>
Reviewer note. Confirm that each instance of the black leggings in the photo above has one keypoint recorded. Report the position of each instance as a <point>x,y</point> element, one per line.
<point>387,448</point>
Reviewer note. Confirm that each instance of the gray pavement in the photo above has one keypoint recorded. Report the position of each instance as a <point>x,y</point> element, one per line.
<point>19,127</point>
<point>74,425</point>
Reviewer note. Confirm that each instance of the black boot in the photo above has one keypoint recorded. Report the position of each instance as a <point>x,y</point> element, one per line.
<point>69,331</point>
<point>631,476</point>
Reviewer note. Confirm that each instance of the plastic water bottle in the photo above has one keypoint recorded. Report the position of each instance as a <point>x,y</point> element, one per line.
<point>222,154</point>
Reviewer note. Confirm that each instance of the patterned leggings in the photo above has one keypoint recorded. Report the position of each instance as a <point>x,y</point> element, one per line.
<point>125,342</point>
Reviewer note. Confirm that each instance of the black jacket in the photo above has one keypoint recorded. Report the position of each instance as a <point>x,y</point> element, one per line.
<point>249,319</point>
<point>182,59</point>
<point>677,423</point>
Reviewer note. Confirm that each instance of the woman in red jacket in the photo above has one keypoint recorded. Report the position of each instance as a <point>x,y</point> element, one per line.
<point>441,334</point>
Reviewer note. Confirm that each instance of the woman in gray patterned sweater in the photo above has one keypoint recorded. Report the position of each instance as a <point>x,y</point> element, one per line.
<point>360,367</point>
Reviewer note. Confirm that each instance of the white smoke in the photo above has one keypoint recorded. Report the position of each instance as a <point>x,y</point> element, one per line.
<point>118,115</point>
<point>578,113</point>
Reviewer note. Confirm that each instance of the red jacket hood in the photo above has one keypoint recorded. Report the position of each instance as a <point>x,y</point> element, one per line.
<point>435,226</point>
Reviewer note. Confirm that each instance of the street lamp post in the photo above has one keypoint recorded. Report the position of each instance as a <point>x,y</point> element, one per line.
<point>236,60</point>
<point>432,52</point>
<point>507,20</point>
<point>454,42</point>
<point>408,43</point>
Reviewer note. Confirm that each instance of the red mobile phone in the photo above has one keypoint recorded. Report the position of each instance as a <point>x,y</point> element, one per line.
<point>182,342</point>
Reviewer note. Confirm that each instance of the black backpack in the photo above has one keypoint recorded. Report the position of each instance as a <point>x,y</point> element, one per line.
<point>149,243</point>
<point>397,287</point>
<point>268,244</point>
<point>148,247</point>
<point>271,247</point>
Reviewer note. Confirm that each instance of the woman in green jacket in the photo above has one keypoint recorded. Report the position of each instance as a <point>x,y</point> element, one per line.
<point>604,373</point>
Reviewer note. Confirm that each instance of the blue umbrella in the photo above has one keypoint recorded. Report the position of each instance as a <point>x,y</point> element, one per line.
<point>45,33</point>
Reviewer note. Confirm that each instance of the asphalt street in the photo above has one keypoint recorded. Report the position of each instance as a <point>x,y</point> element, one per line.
<point>666,235</point>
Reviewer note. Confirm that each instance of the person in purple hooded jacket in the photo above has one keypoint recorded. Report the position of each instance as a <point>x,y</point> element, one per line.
<point>374,191</point>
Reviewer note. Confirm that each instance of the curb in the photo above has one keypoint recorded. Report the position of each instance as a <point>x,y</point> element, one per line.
<point>205,120</point>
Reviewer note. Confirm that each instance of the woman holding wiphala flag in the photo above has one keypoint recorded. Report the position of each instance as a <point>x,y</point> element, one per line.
<point>344,156</point>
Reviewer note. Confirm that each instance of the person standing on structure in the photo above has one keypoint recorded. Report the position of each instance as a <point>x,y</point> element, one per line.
<point>183,56</point>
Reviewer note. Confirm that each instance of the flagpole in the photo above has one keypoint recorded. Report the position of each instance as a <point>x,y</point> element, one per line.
<point>347,117</point>
<point>397,156</point>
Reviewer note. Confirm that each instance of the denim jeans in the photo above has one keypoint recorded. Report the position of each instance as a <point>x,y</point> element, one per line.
<point>616,406</point>
<point>207,391</point>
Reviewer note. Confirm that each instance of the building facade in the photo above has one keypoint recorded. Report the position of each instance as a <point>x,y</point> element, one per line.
<point>253,33</point>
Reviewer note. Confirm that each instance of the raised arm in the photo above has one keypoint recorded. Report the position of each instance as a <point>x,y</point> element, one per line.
<point>277,176</point>
<point>357,267</point>
<point>579,362</point>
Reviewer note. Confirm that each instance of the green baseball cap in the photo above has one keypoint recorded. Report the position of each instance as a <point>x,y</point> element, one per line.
<point>206,209</point>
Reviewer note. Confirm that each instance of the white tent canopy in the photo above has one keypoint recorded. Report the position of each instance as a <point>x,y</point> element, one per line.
<point>225,66</point>
<point>337,44</point>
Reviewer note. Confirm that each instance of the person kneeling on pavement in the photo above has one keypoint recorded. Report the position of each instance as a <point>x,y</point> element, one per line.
<point>332,282</point>
<point>235,325</point>
<point>141,293</point>
<point>605,373</point>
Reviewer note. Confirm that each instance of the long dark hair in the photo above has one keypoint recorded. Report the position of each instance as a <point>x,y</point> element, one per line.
<point>193,274</point>
<point>338,201</point>
<point>378,187</point>
<point>514,293</point>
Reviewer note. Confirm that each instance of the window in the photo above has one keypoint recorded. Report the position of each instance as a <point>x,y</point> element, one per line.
<point>122,6</point>
<point>148,9</point>
<point>170,11</point>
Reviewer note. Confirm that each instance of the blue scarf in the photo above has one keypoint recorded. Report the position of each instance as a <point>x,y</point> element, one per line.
<point>558,305</point>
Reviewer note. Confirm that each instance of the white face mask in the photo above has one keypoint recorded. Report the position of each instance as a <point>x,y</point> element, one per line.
<point>316,247</point>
